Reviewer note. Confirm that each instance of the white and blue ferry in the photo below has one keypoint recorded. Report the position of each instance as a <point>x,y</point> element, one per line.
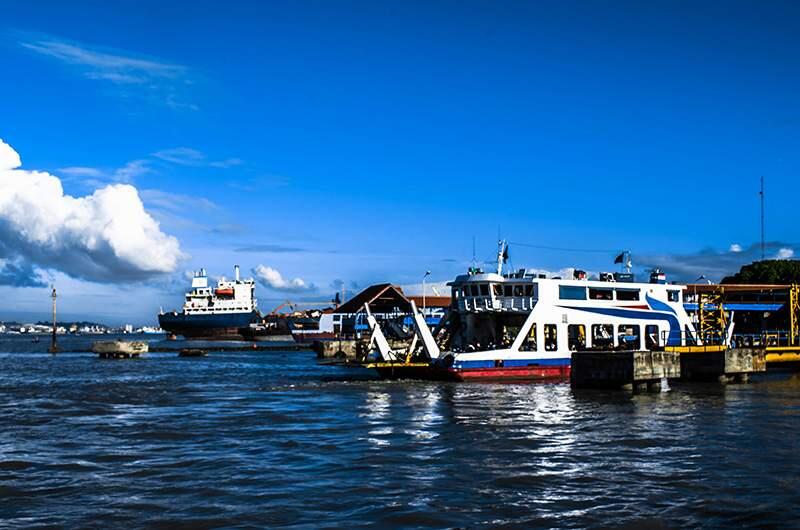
<point>522,325</point>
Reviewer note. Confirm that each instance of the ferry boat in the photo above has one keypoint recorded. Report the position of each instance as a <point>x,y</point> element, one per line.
<point>222,312</point>
<point>522,325</point>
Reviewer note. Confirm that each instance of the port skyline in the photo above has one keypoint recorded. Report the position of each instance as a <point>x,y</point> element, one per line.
<point>568,121</point>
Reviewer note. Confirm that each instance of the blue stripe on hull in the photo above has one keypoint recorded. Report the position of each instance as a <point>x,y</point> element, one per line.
<point>511,363</point>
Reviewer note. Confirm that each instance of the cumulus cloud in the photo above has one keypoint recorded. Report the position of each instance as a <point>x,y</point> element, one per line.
<point>269,277</point>
<point>711,263</point>
<point>105,236</point>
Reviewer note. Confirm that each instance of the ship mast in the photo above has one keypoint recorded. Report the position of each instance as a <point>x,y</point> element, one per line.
<point>502,255</point>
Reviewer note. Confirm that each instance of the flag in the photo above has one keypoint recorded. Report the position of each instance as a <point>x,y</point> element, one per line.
<point>505,254</point>
<point>620,258</point>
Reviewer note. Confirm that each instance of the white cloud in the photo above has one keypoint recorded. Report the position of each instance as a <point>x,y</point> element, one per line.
<point>735,248</point>
<point>713,264</point>
<point>269,277</point>
<point>431,288</point>
<point>79,171</point>
<point>131,170</point>
<point>150,79</point>
<point>186,156</point>
<point>104,236</point>
<point>115,67</point>
<point>176,202</point>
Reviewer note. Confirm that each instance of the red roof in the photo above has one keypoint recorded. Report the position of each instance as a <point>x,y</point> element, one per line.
<point>431,301</point>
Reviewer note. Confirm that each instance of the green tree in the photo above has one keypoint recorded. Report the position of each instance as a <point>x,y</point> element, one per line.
<point>773,271</point>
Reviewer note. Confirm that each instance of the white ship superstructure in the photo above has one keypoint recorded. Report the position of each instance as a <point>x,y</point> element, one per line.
<point>229,296</point>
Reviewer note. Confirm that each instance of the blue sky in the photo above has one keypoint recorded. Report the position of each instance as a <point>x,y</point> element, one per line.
<point>370,141</point>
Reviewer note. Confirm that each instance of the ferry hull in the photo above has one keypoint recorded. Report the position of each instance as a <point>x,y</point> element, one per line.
<point>212,326</point>
<point>516,373</point>
<point>437,373</point>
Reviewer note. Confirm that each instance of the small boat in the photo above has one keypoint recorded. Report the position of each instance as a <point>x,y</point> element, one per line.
<point>193,352</point>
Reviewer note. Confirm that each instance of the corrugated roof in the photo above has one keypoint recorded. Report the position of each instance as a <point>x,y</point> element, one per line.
<point>381,297</point>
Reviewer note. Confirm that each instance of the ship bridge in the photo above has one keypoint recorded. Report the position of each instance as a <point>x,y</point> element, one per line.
<point>490,292</point>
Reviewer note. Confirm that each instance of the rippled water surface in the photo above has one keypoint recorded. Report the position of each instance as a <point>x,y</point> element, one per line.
<point>269,439</point>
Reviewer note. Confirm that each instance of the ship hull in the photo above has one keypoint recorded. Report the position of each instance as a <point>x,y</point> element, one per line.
<point>213,326</point>
<point>554,370</point>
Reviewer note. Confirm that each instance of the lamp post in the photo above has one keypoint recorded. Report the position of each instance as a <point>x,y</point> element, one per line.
<point>427,273</point>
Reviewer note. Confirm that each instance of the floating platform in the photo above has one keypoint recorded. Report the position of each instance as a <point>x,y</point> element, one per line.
<point>118,349</point>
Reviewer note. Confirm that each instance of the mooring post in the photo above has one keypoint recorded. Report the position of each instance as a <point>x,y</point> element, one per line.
<point>53,344</point>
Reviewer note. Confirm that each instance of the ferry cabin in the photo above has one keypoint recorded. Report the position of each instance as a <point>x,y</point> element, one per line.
<point>524,325</point>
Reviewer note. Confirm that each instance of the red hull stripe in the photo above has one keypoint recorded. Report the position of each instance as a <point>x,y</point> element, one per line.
<point>522,372</point>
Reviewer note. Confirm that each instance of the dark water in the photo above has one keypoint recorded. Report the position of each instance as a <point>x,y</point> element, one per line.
<point>269,439</point>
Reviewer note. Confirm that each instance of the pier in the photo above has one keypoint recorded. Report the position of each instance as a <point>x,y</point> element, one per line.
<point>642,370</point>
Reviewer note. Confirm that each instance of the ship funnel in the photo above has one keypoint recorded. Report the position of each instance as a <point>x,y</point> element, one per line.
<point>236,272</point>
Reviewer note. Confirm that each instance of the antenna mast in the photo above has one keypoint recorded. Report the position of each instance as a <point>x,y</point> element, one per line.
<point>761,193</point>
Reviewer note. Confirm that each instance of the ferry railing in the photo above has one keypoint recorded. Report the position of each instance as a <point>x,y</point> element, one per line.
<point>488,303</point>
<point>709,341</point>
<point>767,338</point>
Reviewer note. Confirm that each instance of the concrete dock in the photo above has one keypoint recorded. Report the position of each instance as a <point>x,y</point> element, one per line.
<point>638,370</point>
<point>642,370</point>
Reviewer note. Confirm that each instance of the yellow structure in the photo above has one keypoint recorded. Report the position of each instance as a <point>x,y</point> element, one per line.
<point>794,315</point>
<point>712,323</point>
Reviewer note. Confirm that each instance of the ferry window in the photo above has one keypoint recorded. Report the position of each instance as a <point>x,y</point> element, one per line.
<point>628,337</point>
<point>529,290</point>
<point>484,289</point>
<point>674,296</point>
<point>497,289</point>
<point>518,290</point>
<point>602,336</point>
<point>550,337</point>
<point>651,337</point>
<point>576,337</point>
<point>601,294</point>
<point>455,293</point>
<point>627,294</point>
<point>529,344</point>
<point>337,318</point>
<point>474,289</point>
<point>465,291</point>
<point>507,290</point>
<point>571,292</point>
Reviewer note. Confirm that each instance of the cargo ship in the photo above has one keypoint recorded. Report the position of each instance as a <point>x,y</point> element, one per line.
<point>227,311</point>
